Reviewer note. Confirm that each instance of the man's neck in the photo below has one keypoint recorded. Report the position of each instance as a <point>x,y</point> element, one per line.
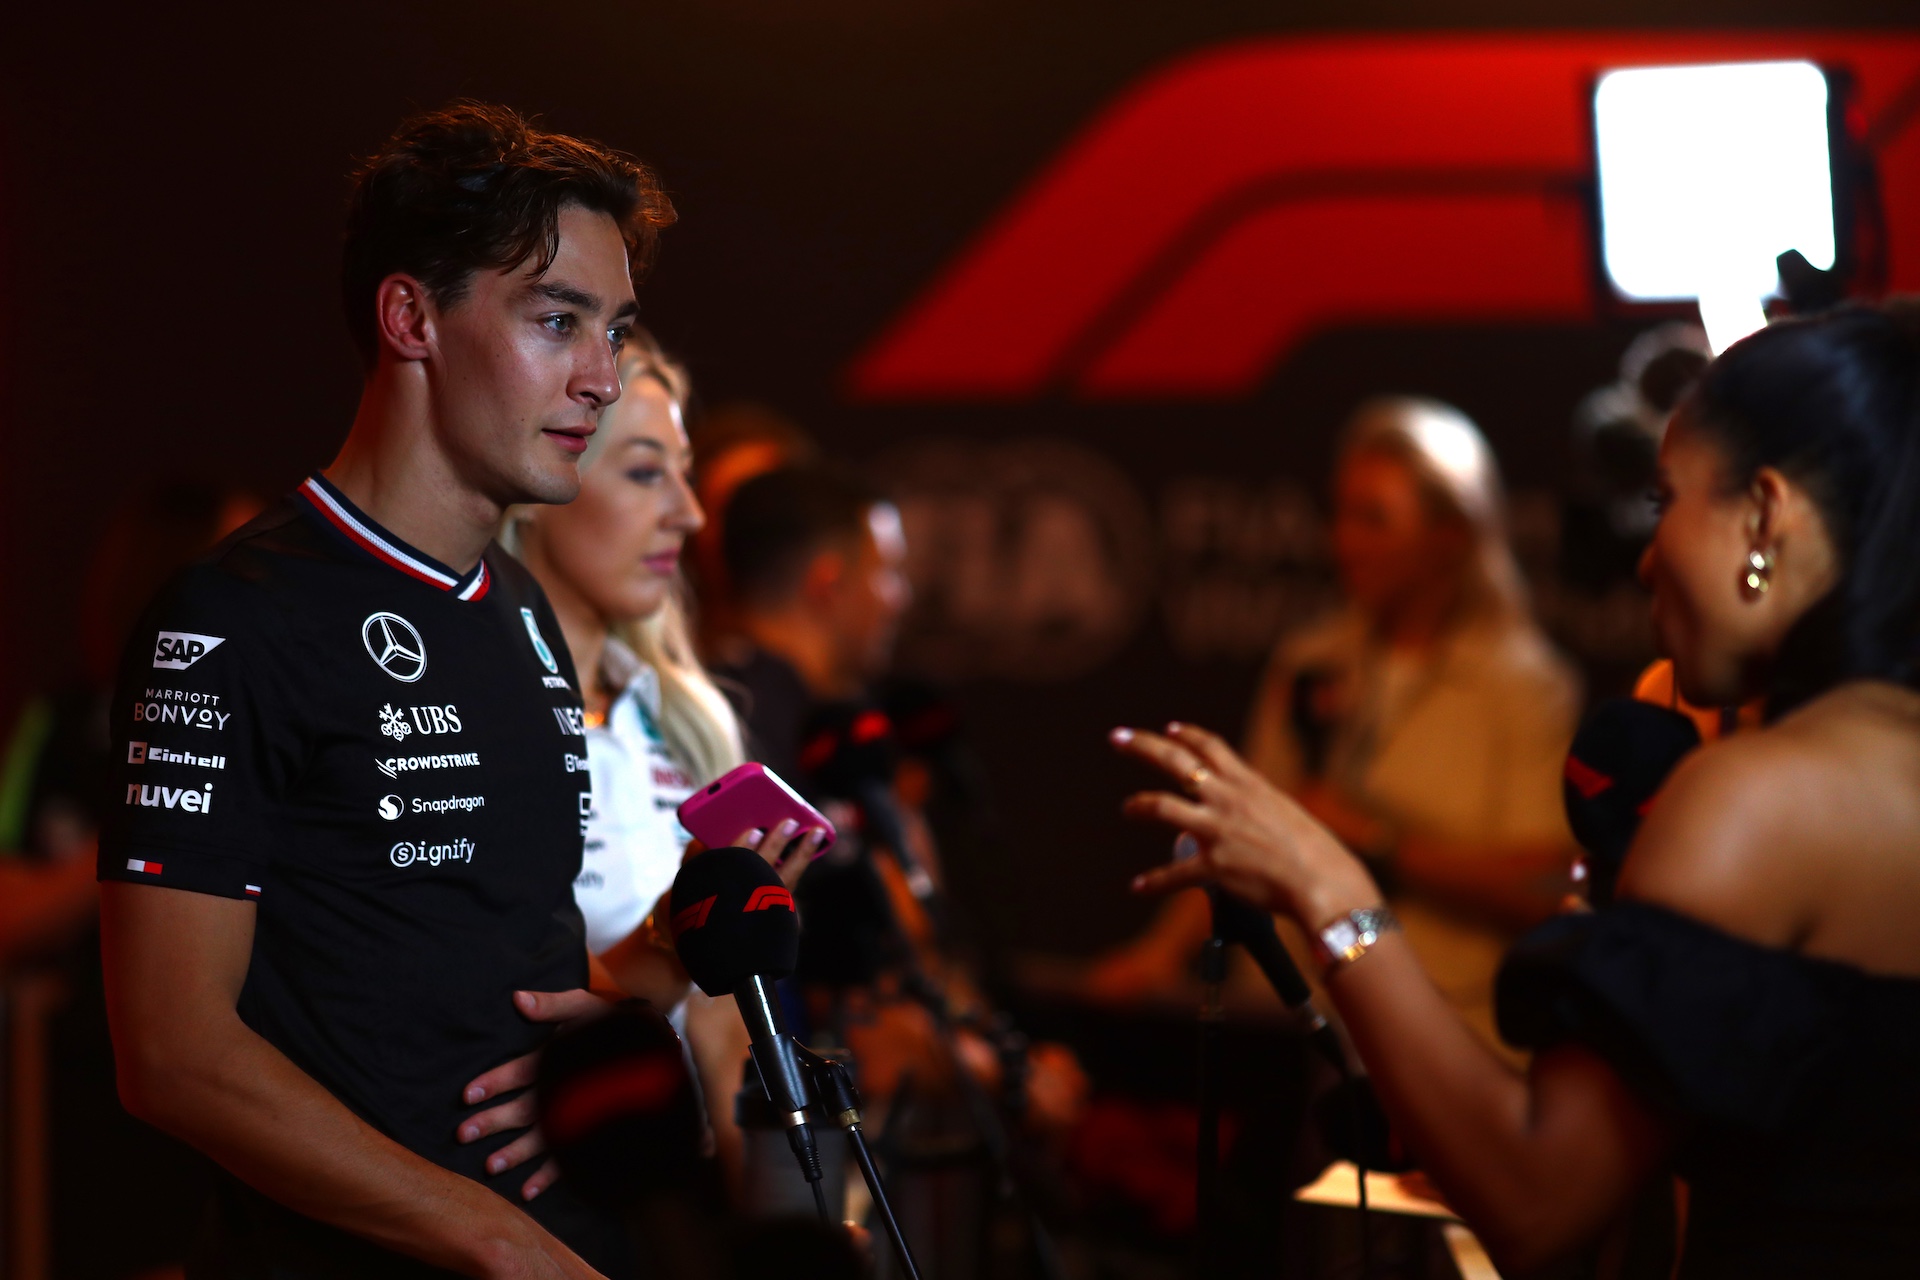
<point>804,643</point>
<point>393,468</point>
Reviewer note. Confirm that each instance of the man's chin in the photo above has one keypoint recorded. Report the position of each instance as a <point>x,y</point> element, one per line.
<point>555,483</point>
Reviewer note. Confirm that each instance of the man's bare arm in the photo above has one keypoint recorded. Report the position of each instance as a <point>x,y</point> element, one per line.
<point>174,963</point>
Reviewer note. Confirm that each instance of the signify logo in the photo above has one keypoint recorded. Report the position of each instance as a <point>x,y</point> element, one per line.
<point>406,853</point>
<point>185,798</point>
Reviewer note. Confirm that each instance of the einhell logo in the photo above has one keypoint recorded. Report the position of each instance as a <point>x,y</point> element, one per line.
<point>768,897</point>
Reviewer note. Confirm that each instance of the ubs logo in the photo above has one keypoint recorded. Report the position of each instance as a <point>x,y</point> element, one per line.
<point>395,645</point>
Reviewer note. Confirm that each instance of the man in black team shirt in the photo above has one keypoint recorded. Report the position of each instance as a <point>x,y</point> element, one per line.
<point>345,820</point>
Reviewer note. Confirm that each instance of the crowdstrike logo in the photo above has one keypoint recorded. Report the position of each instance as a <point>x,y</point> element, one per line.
<point>395,645</point>
<point>394,766</point>
<point>178,650</point>
<point>539,642</point>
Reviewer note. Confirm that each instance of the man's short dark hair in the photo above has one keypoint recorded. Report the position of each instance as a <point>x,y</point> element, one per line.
<point>475,187</point>
<point>777,522</point>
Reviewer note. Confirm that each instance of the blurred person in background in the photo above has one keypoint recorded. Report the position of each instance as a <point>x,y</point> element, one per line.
<point>52,784</point>
<point>817,557</point>
<point>738,441</point>
<point>657,728</point>
<point>1425,722</point>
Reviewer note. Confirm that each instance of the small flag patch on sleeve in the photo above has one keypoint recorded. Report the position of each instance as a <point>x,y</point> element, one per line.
<point>137,864</point>
<point>253,891</point>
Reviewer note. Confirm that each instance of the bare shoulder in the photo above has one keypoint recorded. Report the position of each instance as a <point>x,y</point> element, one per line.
<point>1773,833</point>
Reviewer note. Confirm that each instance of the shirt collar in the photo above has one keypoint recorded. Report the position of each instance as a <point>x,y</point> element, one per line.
<point>364,532</point>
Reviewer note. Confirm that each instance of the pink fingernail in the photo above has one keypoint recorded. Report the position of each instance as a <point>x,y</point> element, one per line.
<point>530,1191</point>
<point>1121,736</point>
<point>1174,726</point>
<point>476,1094</point>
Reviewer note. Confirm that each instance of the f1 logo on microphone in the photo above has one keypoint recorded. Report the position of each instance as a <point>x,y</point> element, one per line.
<point>692,917</point>
<point>766,898</point>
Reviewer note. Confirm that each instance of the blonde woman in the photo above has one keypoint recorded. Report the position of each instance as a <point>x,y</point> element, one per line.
<point>1426,719</point>
<point>657,727</point>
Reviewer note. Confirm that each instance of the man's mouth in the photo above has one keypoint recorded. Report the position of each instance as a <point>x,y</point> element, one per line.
<point>572,439</point>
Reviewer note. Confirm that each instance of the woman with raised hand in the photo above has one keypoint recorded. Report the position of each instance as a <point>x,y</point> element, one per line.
<point>657,728</point>
<point>1748,1014</point>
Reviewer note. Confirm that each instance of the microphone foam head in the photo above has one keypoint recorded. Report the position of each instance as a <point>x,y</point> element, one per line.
<point>732,919</point>
<point>1619,760</point>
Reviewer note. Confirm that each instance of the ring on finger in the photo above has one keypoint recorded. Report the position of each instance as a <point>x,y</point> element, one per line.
<point>1197,776</point>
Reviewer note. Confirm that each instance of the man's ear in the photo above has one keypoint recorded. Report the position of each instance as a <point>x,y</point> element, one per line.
<point>404,316</point>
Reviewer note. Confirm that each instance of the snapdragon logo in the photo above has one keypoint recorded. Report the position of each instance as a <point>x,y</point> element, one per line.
<point>406,853</point>
<point>390,807</point>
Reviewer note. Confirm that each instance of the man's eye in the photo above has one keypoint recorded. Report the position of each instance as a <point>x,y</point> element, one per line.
<point>617,339</point>
<point>559,324</point>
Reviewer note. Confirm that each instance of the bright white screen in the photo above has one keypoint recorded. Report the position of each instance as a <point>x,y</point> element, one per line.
<point>1708,173</point>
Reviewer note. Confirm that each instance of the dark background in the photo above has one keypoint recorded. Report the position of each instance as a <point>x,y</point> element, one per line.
<point>170,193</point>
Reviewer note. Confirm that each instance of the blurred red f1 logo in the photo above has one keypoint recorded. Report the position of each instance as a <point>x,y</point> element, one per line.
<point>1228,205</point>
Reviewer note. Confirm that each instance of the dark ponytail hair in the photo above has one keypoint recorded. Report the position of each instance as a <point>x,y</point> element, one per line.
<point>1833,402</point>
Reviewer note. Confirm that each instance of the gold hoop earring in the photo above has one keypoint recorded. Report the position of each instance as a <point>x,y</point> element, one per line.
<point>1759,574</point>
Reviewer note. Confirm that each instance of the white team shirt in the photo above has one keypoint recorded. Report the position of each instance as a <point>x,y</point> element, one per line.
<point>634,840</point>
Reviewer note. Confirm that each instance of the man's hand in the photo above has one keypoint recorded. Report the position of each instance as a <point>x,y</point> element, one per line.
<point>536,1006</point>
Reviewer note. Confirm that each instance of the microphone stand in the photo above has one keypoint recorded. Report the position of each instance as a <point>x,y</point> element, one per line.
<point>793,1079</point>
<point>1213,1021</point>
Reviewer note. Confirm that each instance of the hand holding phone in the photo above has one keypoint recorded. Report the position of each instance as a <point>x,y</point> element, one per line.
<point>747,798</point>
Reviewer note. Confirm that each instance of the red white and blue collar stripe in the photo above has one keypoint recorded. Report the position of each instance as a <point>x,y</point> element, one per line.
<point>360,530</point>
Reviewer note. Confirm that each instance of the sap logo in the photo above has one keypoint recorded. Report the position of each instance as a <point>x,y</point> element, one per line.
<point>192,717</point>
<point>178,650</point>
<point>141,753</point>
<point>429,720</point>
<point>391,807</point>
<point>406,853</point>
<point>575,764</point>
<point>184,798</point>
<point>554,682</point>
<point>539,643</point>
<point>573,721</point>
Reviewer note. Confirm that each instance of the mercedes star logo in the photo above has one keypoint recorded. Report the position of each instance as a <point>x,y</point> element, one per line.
<point>393,643</point>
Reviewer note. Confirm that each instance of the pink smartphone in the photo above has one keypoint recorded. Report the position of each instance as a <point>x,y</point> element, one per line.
<point>747,797</point>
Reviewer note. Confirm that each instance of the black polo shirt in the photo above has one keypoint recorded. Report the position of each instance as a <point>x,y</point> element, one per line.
<point>387,758</point>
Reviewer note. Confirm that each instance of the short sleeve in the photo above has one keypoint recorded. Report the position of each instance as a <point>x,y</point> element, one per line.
<point>1698,1023</point>
<point>192,779</point>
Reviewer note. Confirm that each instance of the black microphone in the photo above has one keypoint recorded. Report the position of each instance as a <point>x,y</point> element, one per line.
<point>1619,760</point>
<point>848,752</point>
<point>1239,921</point>
<point>736,932</point>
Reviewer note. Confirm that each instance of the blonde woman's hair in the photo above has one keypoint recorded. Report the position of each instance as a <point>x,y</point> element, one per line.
<point>1455,469</point>
<point>696,720</point>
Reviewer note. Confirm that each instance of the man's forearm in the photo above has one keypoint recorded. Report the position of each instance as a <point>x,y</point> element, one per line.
<point>245,1104</point>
